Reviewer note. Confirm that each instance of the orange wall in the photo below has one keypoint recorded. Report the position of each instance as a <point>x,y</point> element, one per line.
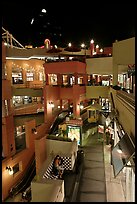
<point>6,89</point>
<point>63,93</point>
<point>65,67</point>
<point>52,92</point>
<point>40,152</point>
<point>8,136</point>
<point>73,92</point>
<point>23,158</point>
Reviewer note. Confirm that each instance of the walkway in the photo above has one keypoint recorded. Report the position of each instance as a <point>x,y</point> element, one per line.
<point>92,187</point>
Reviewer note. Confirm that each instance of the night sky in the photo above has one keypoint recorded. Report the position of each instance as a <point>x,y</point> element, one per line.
<point>68,21</point>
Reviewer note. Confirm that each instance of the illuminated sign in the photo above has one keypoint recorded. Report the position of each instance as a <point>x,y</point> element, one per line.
<point>74,133</point>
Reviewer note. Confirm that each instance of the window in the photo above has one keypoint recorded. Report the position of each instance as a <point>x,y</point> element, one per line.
<point>53,79</point>
<point>15,168</point>
<point>17,78</point>
<point>65,79</point>
<point>29,76</point>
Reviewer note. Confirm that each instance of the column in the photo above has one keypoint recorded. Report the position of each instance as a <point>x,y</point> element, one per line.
<point>47,79</point>
<point>76,78</point>
<point>92,47</point>
<point>85,79</point>
<point>24,75</point>
<point>59,79</point>
<point>76,108</point>
<point>115,74</point>
<point>97,49</point>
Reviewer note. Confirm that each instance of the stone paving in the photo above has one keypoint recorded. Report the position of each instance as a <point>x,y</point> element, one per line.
<point>92,187</point>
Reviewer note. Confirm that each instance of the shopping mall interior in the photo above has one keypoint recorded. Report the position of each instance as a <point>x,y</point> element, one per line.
<point>47,94</point>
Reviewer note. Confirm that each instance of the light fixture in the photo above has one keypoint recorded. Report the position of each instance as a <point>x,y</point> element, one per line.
<point>10,170</point>
<point>119,151</point>
<point>34,131</point>
<point>51,104</point>
<point>70,44</point>
<point>83,45</point>
<point>81,106</point>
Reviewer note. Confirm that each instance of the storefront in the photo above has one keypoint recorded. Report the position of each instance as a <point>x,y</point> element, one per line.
<point>74,133</point>
<point>17,78</point>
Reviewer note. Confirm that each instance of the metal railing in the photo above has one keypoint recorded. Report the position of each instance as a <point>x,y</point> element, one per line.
<point>129,99</point>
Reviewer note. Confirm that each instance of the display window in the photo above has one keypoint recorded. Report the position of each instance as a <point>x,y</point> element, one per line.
<point>17,100</point>
<point>120,80</point>
<point>105,83</point>
<point>52,79</point>
<point>41,76</point>
<point>29,76</point>
<point>80,80</point>
<point>74,133</point>
<point>65,79</point>
<point>17,78</point>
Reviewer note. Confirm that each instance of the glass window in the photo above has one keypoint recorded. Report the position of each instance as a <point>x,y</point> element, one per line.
<point>65,79</point>
<point>41,77</point>
<point>29,76</point>
<point>53,79</point>
<point>15,168</point>
<point>17,78</point>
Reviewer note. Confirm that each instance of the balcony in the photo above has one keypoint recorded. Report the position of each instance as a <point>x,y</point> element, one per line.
<point>31,108</point>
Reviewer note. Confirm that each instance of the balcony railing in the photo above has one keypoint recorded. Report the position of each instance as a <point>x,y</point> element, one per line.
<point>29,85</point>
<point>129,99</point>
<point>29,109</point>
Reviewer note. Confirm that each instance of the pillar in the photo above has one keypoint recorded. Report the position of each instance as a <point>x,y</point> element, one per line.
<point>76,108</point>
<point>76,78</point>
<point>92,47</point>
<point>24,75</point>
<point>47,79</point>
<point>85,79</point>
<point>59,79</point>
<point>97,49</point>
<point>115,74</point>
<point>61,104</point>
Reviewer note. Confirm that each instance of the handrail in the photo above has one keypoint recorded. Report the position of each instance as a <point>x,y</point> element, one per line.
<point>127,98</point>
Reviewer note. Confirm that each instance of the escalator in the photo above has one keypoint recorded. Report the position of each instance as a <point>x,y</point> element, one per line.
<point>113,105</point>
<point>25,182</point>
<point>58,120</point>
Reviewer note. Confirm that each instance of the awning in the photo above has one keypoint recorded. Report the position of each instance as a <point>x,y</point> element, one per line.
<point>122,152</point>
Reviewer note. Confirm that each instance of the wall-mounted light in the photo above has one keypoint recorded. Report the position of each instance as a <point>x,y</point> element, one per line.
<point>51,104</point>
<point>10,170</point>
<point>81,106</point>
<point>34,131</point>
